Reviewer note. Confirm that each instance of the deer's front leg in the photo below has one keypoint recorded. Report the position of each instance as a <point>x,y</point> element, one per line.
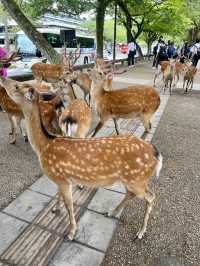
<point>116,126</point>
<point>66,192</point>
<point>98,127</point>
<point>12,134</point>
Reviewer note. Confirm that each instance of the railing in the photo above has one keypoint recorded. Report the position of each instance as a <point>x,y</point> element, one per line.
<point>29,75</point>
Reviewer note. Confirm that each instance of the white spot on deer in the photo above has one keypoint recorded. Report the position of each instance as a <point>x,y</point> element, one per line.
<point>146,155</point>
<point>50,161</point>
<point>54,157</point>
<point>138,160</point>
<point>53,170</point>
<point>127,166</point>
<point>137,146</point>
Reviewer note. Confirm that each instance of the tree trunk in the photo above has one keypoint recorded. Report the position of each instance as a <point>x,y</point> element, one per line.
<point>139,50</point>
<point>128,29</point>
<point>7,41</point>
<point>149,44</point>
<point>36,37</point>
<point>100,14</point>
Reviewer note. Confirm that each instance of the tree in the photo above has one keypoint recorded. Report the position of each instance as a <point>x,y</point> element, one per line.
<point>192,7</point>
<point>108,30</point>
<point>26,25</point>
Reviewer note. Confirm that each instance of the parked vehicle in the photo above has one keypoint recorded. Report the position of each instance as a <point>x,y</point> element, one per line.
<point>53,36</point>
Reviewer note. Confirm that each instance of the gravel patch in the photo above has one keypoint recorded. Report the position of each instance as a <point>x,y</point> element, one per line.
<point>19,167</point>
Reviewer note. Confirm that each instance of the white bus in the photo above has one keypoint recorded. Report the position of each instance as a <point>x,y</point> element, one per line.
<point>52,35</point>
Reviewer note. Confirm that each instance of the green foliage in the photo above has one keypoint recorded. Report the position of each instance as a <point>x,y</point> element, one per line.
<point>108,30</point>
<point>35,8</point>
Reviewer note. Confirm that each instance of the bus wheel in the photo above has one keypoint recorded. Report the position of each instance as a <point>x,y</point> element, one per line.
<point>85,60</point>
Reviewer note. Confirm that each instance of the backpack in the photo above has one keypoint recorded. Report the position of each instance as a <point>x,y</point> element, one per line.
<point>198,50</point>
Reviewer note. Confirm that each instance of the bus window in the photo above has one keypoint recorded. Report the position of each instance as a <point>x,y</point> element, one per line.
<point>2,41</point>
<point>85,42</point>
<point>53,39</point>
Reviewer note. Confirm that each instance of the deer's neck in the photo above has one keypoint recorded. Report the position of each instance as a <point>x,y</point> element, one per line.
<point>36,134</point>
<point>97,90</point>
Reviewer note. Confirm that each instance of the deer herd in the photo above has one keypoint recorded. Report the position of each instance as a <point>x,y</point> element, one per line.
<point>58,126</point>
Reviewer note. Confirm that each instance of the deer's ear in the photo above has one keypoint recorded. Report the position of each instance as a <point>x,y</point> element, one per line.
<point>109,76</point>
<point>30,94</point>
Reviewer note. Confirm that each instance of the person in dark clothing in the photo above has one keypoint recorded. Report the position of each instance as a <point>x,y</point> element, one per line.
<point>195,52</point>
<point>162,53</point>
<point>156,48</point>
<point>185,52</point>
<point>171,50</point>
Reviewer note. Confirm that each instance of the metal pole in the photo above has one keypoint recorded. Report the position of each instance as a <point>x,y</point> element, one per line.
<point>115,33</point>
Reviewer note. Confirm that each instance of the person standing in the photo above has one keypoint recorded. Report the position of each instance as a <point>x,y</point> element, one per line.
<point>156,49</point>
<point>3,69</point>
<point>195,52</point>
<point>185,52</point>
<point>171,50</point>
<point>131,53</point>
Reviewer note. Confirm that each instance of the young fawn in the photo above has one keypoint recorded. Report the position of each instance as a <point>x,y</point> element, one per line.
<point>134,101</point>
<point>168,76</point>
<point>94,162</point>
<point>188,78</point>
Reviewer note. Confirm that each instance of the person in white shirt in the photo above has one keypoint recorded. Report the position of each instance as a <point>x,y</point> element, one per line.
<point>131,53</point>
<point>195,50</point>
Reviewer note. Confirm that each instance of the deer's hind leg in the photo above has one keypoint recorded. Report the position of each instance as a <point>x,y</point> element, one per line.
<point>143,192</point>
<point>12,134</point>
<point>149,198</point>
<point>146,117</point>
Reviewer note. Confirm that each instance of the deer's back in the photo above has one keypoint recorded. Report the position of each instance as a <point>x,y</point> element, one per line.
<point>79,110</point>
<point>135,99</point>
<point>8,104</point>
<point>99,160</point>
<point>48,72</point>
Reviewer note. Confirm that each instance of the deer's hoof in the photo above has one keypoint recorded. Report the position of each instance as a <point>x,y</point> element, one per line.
<point>12,141</point>
<point>139,234</point>
<point>56,212</point>
<point>25,138</point>
<point>69,237</point>
<point>80,187</point>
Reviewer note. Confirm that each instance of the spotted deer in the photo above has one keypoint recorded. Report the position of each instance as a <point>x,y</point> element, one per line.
<point>96,162</point>
<point>50,112</point>
<point>168,76</point>
<point>55,72</point>
<point>188,78</point>
<point>140,101</point>
<point>15,115</point>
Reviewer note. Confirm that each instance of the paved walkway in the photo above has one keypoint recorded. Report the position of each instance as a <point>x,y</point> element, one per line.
<point>173,233</point>
<point>96,231</point>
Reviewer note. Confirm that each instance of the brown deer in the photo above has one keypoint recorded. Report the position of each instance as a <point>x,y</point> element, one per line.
<point>168,76</point>
<point>93,162</point>
<point>14,113</point>
<point>55,72</point>
<point>134,101</point>
<point>50,111</point>
<point>188,78</point>
<point>75,120</point>
<point>179,69</point>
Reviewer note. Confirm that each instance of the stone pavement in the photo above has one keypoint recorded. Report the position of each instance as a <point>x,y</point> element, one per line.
<point>94,229</point>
